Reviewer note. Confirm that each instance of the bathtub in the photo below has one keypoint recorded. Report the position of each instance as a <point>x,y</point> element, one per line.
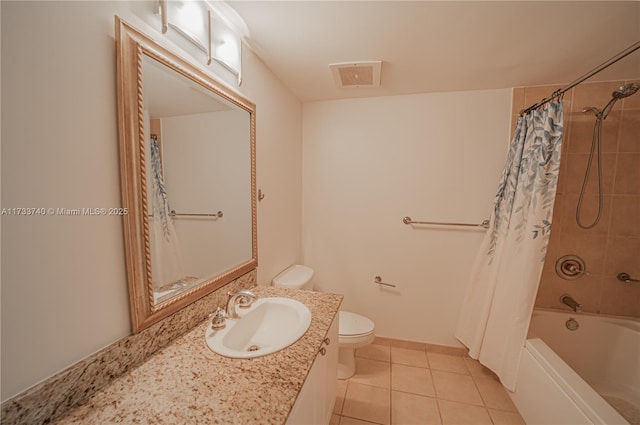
<point>570,376</point>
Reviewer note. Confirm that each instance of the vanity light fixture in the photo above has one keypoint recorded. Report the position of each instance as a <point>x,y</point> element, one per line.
<point>187,17</point>
<point>225,46</point>
<point>213,26</point>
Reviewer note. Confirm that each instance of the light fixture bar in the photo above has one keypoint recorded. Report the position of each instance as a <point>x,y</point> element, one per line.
<point>163,15</point>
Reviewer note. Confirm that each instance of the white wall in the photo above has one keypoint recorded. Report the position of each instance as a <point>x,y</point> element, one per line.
<point>279,173</point>
<point>367,163</point>
<point>64,290</point>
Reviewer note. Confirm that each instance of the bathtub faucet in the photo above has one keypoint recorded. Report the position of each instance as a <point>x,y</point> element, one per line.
<point>575,306</point>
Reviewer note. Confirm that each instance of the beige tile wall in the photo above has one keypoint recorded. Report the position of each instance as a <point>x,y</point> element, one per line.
<point>613,245</point>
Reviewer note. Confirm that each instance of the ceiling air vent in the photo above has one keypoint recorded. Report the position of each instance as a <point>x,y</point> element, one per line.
<point>356,74</point>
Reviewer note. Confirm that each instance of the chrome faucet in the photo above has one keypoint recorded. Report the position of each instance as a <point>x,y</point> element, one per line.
<point>245,297</point>
<point>575,306</point>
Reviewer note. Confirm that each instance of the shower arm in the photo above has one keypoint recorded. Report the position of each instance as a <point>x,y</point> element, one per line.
<point>589,74</point>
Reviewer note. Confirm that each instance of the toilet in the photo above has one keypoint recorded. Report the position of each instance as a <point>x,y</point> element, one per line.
<point>355,331</point>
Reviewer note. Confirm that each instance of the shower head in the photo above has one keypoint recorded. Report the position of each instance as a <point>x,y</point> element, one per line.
<point>625,91</point>
<point>619,93</point>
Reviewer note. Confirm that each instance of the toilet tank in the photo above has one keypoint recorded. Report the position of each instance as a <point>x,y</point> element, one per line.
<point>296,277</point>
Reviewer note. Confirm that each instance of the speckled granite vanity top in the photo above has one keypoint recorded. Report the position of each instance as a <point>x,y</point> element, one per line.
<point>187,383</point>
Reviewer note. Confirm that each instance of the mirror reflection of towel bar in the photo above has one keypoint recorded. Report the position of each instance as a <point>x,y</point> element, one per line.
<point>173,213</point>
<point>484,224</point>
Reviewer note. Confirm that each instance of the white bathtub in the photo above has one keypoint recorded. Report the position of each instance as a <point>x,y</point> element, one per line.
<point>565,376</point>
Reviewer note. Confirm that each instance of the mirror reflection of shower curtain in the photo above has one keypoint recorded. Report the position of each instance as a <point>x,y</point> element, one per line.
<point>166,259</point>
<point>502,289</point>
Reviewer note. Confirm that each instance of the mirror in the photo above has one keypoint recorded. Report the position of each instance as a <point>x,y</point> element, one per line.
<point>187,162</point>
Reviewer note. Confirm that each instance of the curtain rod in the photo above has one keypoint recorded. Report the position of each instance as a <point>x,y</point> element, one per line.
<point>589,74</point>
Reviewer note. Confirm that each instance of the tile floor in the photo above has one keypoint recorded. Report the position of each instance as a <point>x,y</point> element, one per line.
<point>403,386</point>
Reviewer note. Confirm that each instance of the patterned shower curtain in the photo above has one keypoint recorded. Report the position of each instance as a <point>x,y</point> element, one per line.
<point>500,297</point>
<point>166,259</point>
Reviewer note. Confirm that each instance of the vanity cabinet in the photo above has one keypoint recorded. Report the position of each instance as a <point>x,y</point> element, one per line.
<point>315,401</point>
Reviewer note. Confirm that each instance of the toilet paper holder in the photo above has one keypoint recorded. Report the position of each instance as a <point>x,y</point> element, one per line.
<point>379,281</point>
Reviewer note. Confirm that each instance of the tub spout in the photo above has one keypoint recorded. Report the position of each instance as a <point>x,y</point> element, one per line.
<point>575,306</point>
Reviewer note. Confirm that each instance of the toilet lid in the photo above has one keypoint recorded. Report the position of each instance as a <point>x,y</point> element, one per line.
<point>352,324</point>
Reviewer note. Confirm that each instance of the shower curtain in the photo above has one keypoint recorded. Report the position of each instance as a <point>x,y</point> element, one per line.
<point>500,297</point>
<point>166,258</point>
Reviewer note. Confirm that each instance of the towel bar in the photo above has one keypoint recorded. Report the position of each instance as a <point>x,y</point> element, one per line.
<point>173,213</point>
<point>484,224</point>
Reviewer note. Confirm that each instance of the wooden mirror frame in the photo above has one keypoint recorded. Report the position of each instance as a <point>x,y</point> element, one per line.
<point>131,45</point>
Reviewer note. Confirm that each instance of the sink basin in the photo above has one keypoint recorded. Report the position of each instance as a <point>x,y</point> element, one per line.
<point>269,325</point>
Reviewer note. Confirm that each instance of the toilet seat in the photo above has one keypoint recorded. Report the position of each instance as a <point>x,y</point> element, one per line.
<point>353,325</point>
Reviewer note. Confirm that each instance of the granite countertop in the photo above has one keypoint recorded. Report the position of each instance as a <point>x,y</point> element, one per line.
<point>186,382</point>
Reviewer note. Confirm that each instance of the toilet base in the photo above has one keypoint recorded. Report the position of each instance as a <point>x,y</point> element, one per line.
<point>346,362</point>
